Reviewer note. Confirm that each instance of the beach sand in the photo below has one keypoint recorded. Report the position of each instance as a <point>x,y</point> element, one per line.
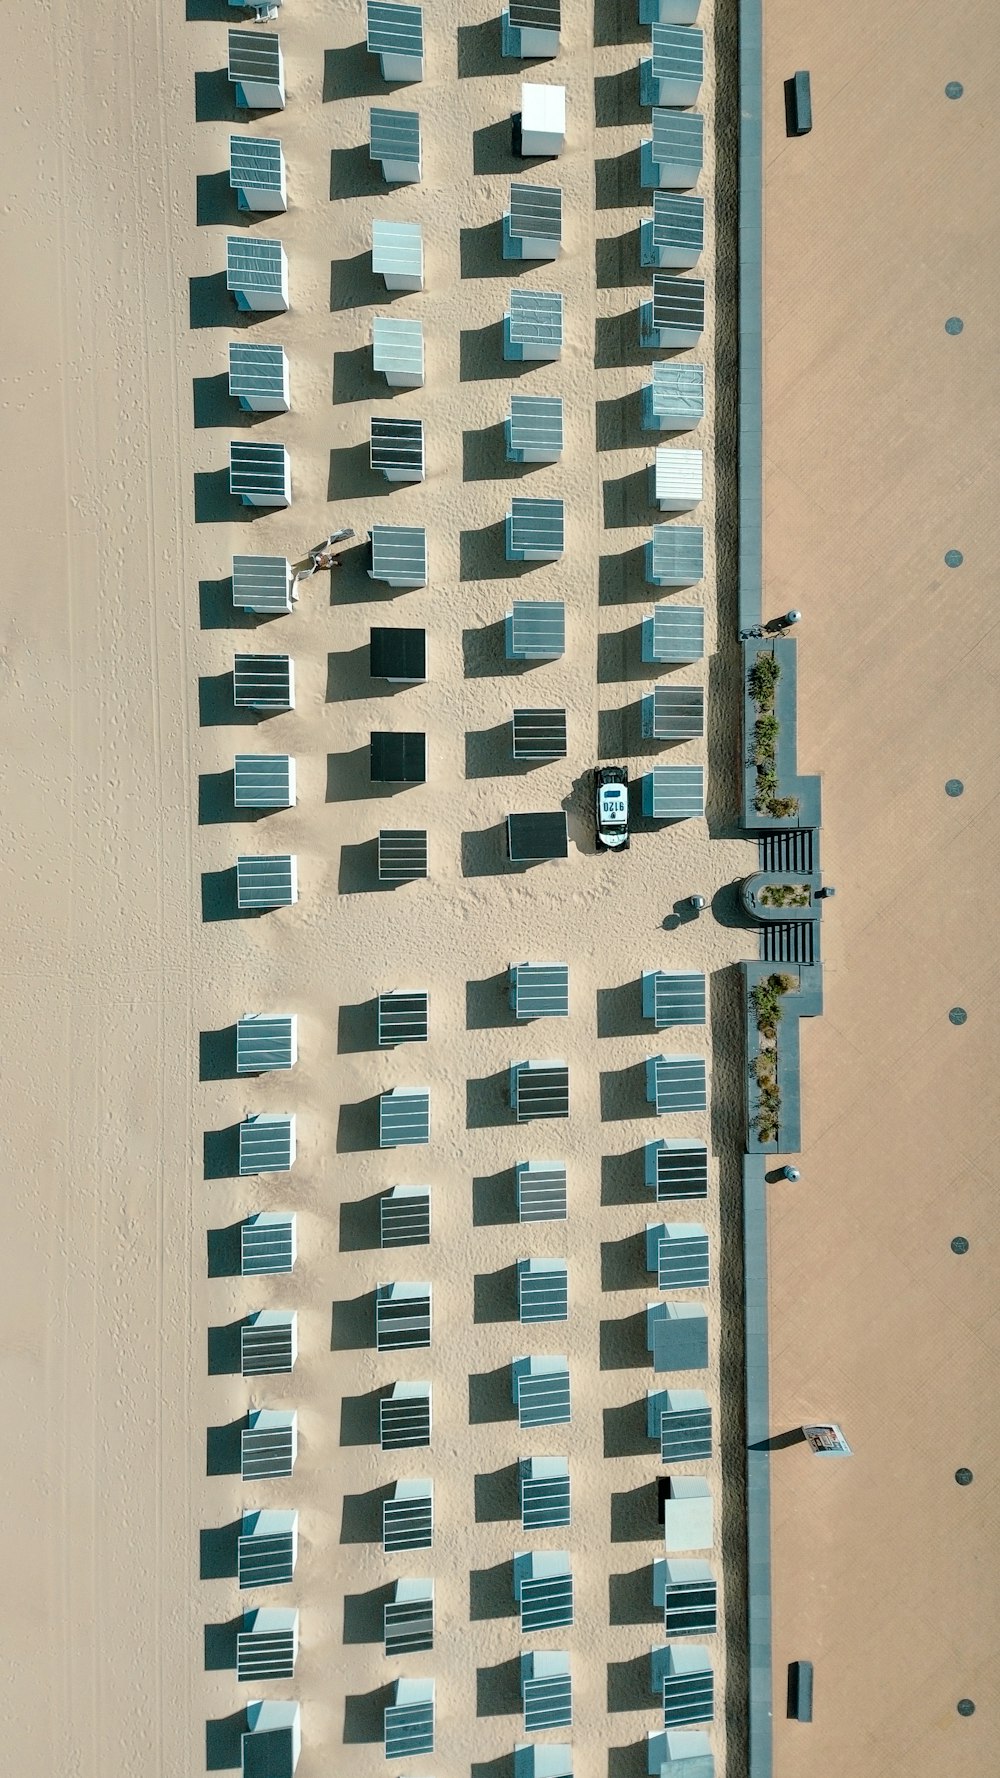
<point>124,977</point>
<point>880,440</point>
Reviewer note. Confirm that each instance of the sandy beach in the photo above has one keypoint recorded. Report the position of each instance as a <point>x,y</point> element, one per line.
<point>127,971</point>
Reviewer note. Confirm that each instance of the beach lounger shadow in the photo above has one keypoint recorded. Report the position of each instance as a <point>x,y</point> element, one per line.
<point>218,1551</point>
<point>623,1264</point>
<point>223,1742</point>
<point>352,1323</point>
<point>353,73</point>
<point>622,1178</point>
<point>495,1295</point>
<point>616,99</point>
<point>364,1613</point>
<point>498,1689</point>
<point>222,1447</point>
<point>628,1684</point>
<point>479,51</point>
<point>496,1495</point>
<point>213,98</point>
<point>630,1598</point>
<point>480,355</point>
<point>625,1433</point>
<point>623,1343</point>
<point>220,1645</point>
<point>361,1514</point>
<point>224,1251</point>
<point>633,1516</point>
<point>360,1225</point>
<point>491,1592</point>
<point>359,1418</point>
<point>621,578</point>
<point>364,1714</point>
<point>490,1399</point>
<point>494,1199</point>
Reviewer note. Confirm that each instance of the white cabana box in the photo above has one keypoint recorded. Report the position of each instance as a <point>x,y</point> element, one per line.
<point>396,36</point>
<point>395,141</point>
<point>267,881</point>
<point>533,326</point>
<point>535,530</point>
<point>543,1759</point>
<point>543,119</point>
<point>260,474</point>
<point>535,630</point>
<point>267,1645</point>
<point>675,556</point>
<point>676,479</point>
<point>532,226</point>
<point>680,1675</point>
<point>534,429</point>
<point>546,1690</point>
<point>266,1041</point>
<point>272,1743</point>
<point>267,1244</point>
<point>673,159</point>
<point>675,399</point>
<point>674,793</point>
<point>269,1444</point>
<point>668,12</point>
<point>267,1143</point>
<point>397,449</point>
<point>257,70</point>
<point>688,1518</point>
<point>675,314</point>
<point>679,1753</point>
<point>673,74</point>
<point>677,1336</point>
<point>263,682</point>
<point>263,584</point>
<point>258,377</point>
<point>681,1421</point>
<point>263,781</point>
<point>529,30</point>
<point>257,173</point>
<point>398,555</point>
<point>674,634</point>
<point>673,237</point>
<point>398,351</point>
<point>673,713</point>
<point>257,273</point>
<point>398,254</point>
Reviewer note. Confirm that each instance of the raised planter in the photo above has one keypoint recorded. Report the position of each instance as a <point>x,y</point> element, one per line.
<point>785,1050</point>
<point>804,791</point>
<point>776,895</point>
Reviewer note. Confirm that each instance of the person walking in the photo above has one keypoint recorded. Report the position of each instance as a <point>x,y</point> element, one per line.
<point>323,556</point>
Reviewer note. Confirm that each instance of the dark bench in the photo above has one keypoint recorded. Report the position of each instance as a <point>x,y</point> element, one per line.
<point>798,104</point>
<point>800,1690</point>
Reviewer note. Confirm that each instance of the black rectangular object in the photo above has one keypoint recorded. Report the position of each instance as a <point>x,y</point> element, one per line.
<point>800,1690</point>
<point>398,759</point>
<point>397,654</point>
<point>801,121</point>
<point>532,837</point>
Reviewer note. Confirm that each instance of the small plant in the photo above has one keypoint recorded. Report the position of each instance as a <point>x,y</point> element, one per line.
<point>762,678</point>
<point>765,998</point>
<point>785,895</point>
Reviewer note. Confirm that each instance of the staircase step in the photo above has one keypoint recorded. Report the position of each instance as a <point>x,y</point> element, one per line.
<point>792,941</point>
